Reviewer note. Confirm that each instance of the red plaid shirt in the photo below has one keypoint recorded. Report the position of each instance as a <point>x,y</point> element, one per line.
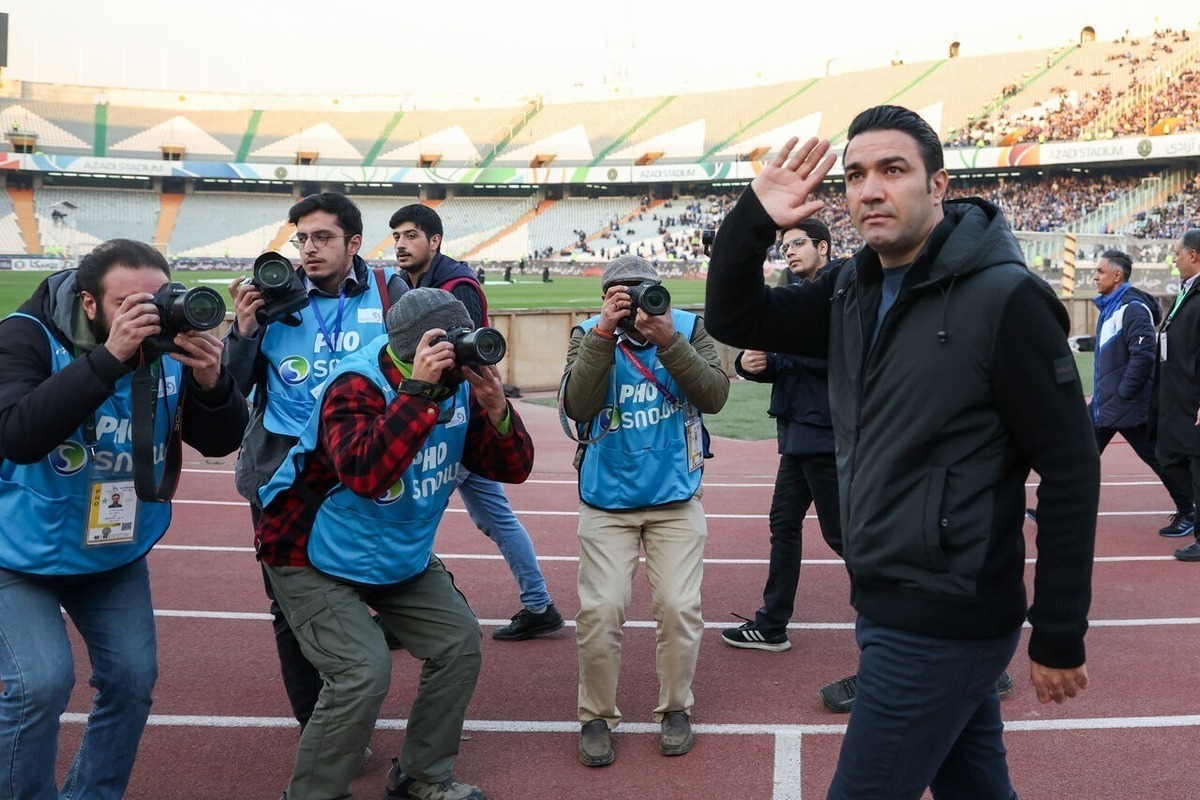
<point>367,444</point>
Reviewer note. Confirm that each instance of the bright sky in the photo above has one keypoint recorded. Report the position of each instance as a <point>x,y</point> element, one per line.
<point>473,47</point>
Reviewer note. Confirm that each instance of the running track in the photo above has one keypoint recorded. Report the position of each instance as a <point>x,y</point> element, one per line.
<point>221,727</point>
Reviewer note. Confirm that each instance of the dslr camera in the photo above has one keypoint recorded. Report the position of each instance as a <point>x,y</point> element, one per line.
<point>282,289</point>
<point>651,297</point>
<point>706,237</point>
<point>182,309</point>
<point>474,347</point>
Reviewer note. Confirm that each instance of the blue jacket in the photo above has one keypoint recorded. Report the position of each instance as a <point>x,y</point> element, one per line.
<point>1124,365</point>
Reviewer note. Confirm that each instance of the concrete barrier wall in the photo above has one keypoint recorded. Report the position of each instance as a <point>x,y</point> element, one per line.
<point>538,338</point>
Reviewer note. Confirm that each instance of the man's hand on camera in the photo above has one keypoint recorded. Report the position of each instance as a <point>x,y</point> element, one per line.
<point>247,300</point>
<point>432,360</point>
<point>202,354</point>
<point>616,308</point>
<point>489,390</point>
<point>134,320</point>
<point>658,330</point>
<point>787,181</point>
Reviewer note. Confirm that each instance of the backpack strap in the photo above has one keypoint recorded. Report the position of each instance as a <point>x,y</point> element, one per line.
<point>381,283</point>
<point>474,284</point>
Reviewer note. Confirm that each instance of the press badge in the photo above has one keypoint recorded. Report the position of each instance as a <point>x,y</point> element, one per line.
<point>695,442</point>
<point>112,513</point>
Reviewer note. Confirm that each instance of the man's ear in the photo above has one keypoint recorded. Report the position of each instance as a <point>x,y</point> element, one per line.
<point>435,242</point>
<point>90,305</point>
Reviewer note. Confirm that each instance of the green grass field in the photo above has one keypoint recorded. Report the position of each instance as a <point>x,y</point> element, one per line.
<point>744,416</point>
<point>530,292</point>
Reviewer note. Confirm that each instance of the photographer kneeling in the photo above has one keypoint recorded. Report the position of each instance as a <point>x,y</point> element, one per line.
<point>348,525</point>
<point>78,460</point>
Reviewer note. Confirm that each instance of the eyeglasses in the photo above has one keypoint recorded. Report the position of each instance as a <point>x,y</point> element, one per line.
<point>319,239</point>
<point>797,242</point>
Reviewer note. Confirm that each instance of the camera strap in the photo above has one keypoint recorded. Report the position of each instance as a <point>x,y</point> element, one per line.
<point>147,379</point>
<point>612,413</point>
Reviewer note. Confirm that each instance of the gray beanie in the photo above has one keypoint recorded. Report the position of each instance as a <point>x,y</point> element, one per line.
<point>627,268</point>
<point>420,310</point>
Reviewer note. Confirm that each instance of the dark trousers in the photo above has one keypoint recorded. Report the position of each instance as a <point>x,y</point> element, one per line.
<point>801,480</point>
<point>1180,490</point>
<point>926,714</point>
<point>301,680</point>
<point>1184,469</point>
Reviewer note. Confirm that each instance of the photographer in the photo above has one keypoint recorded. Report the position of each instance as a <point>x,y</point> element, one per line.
<point>636,384</point>
<point>348,525</point>
<point>74,534</point>
<point>341,307</point>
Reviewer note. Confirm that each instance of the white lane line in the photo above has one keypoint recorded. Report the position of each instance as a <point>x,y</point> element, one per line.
<point>720,729</point>
<point>787,767</point>
<point>724,562</point>
<point>183,613</point>
<point>575,513</point>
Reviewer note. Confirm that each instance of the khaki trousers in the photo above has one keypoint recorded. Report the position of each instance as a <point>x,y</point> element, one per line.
<point>609,544</point>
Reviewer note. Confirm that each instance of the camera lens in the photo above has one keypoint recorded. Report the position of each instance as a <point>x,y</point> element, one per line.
<point>202,308</point>
<point>272,274</point>
<point>488,345</point>
<point>655,300</point>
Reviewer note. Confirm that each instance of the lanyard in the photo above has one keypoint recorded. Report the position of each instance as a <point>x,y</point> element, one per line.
<point>647,374</point>
<point>1166,323</point>
<point>331,340</point>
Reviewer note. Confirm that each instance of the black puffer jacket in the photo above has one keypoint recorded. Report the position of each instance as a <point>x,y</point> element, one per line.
<point>969,386</point>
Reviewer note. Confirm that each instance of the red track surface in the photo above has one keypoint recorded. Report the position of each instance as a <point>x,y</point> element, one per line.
<point>221,727</point>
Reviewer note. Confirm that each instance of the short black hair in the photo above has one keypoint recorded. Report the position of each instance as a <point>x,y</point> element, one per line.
<point>336,203</point>
<point>1191,239</point>
<point>89,275</point>
<point>815,229</point>
<point>424,217</point>
<point>1120,260</point>
<point>899,118</point>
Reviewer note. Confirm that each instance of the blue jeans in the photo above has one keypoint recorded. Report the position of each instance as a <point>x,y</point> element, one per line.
<point>113,613</point>
<point>926,714</point>
<point>489,509</point>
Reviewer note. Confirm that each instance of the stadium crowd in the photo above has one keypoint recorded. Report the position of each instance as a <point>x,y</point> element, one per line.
<point>1150,98</point>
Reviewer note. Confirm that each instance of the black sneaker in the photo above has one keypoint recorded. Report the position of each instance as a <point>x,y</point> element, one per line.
<point>526,625</point>
<point>752,637</point>
<point>1189,553</point>
<point>838,696</point>
<point>1004,685</point>
<point>1181,525</point>
<point>401,787</point>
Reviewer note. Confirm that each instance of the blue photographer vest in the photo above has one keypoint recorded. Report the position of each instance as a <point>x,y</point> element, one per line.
<point>299,359</point>
<point>45,506</point>
<point>389,539</point>
<point>642,462</point>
